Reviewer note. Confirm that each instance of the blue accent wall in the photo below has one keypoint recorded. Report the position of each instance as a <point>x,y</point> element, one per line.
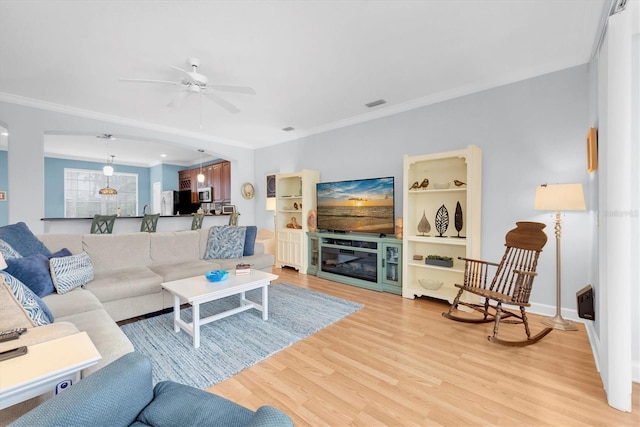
<point>167,175</point>
<point>54,183</point>
<point>4,185</point>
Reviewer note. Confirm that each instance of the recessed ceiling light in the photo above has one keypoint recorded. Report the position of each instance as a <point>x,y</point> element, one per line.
<point>163,155</point>
<point>4,133</point>
<point>288,129</point>
<point>375,103</point>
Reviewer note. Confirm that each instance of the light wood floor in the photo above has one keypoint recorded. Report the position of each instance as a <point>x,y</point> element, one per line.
<point>398,362</point>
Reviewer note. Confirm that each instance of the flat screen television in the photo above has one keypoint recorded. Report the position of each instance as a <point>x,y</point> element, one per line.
<point>360,205</point>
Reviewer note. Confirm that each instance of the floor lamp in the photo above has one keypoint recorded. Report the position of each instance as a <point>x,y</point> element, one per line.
<point>559,197</point>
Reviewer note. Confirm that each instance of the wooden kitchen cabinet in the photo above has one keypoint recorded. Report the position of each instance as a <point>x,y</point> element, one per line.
<point>216,176</point>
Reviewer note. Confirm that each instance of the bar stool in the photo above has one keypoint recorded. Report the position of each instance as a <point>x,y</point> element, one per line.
<point>196,224</point>
<point>149,223</point>
<point>102,224</point>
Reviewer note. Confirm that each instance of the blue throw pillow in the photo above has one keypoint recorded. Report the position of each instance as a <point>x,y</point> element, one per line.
<point>225,242</point>
<point>61,253</point>
<point>33,271</point>
<point>23,240</point>
<point>250,240</point>
<point>32,304</point>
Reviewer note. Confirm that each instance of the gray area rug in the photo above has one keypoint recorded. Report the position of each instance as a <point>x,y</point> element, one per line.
<point>229,345</point>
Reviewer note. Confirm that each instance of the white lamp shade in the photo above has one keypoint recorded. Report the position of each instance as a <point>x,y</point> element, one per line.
<point>3,263</point>
<point>271,203</point>
<point>200,178</point>
<point>107,170</point>
<point>560,197</point>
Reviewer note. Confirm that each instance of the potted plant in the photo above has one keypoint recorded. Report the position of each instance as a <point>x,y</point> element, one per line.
<point>440,261</point>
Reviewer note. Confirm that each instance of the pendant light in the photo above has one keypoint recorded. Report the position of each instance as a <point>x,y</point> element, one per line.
<point>200,175</point>
<point>107,170</point>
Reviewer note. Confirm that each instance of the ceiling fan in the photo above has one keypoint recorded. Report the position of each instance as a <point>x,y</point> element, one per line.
<point>194,82</point>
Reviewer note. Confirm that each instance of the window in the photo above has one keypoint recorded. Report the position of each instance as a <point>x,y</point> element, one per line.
<point>81,198</point>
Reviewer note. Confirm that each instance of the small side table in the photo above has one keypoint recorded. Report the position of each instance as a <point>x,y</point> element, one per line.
<point>49,366</point>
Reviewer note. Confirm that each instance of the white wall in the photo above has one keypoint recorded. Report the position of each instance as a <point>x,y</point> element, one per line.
<point>617,338</point>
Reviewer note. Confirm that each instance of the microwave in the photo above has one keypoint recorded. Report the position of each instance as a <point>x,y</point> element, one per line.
<point>205,195</point>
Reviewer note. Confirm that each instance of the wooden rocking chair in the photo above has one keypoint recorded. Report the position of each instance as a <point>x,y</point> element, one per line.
<point>511,284</point>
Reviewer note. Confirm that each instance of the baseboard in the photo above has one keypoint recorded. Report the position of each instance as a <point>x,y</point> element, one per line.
<point>548,310</point>
<point>594,341</point>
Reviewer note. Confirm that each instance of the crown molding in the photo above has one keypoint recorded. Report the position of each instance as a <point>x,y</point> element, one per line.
<point>79,112</point>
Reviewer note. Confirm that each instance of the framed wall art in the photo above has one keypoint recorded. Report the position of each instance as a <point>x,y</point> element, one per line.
<point>271,185</point>
<point>592,150</point>
<point>228,209</point>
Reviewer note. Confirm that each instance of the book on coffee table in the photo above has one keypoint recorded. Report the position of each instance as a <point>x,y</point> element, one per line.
<point>243,269</point>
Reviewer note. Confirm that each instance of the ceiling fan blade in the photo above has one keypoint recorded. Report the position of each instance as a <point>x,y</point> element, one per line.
<point>149,81</point>
<point>180,69</point>
<point>235,89</point>
<point>221,102</point>
<point>179,98</point>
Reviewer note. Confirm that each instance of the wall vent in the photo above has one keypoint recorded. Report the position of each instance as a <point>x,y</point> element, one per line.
<point>375,103</point>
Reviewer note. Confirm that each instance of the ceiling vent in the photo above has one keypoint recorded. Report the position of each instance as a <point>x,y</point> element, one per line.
<point>376,103</point>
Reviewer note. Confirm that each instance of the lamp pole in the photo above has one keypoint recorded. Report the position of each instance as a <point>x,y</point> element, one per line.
<point>557,322</point>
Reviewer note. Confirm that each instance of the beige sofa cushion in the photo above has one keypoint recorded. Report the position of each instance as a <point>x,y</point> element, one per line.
<point>76,301</point>
<point>182,270</point>
<point>124,283</point>
<point>12,314</point>
<point>55,242</point>
<point>172,247</point>
<point>117,251</point>
<point>108,338</point>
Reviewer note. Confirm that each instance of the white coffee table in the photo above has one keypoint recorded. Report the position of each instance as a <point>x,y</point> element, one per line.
<point>49,366</point>
<point>198,290</point>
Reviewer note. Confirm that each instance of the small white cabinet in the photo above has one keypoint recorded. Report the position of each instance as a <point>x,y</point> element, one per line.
<point>295,198</point>
<point>453,198</point>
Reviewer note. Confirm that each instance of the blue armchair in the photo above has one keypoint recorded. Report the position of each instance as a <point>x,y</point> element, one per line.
<point>122,394</point>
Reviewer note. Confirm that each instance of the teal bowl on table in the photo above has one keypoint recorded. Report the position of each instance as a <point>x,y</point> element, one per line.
<point>216,275</point>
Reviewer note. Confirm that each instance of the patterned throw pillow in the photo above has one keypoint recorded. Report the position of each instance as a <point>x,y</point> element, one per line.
<point>225,242</point>
<point>7,251</point>
<point>70,272</point>
<point>33,305</point>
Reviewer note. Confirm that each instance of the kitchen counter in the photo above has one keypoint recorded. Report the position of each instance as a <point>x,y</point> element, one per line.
<point>130,224</point>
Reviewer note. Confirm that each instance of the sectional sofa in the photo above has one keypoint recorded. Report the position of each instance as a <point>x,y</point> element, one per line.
<point>128,272</point>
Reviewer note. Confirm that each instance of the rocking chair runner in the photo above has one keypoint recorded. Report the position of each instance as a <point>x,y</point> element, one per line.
<point>511,284</point>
